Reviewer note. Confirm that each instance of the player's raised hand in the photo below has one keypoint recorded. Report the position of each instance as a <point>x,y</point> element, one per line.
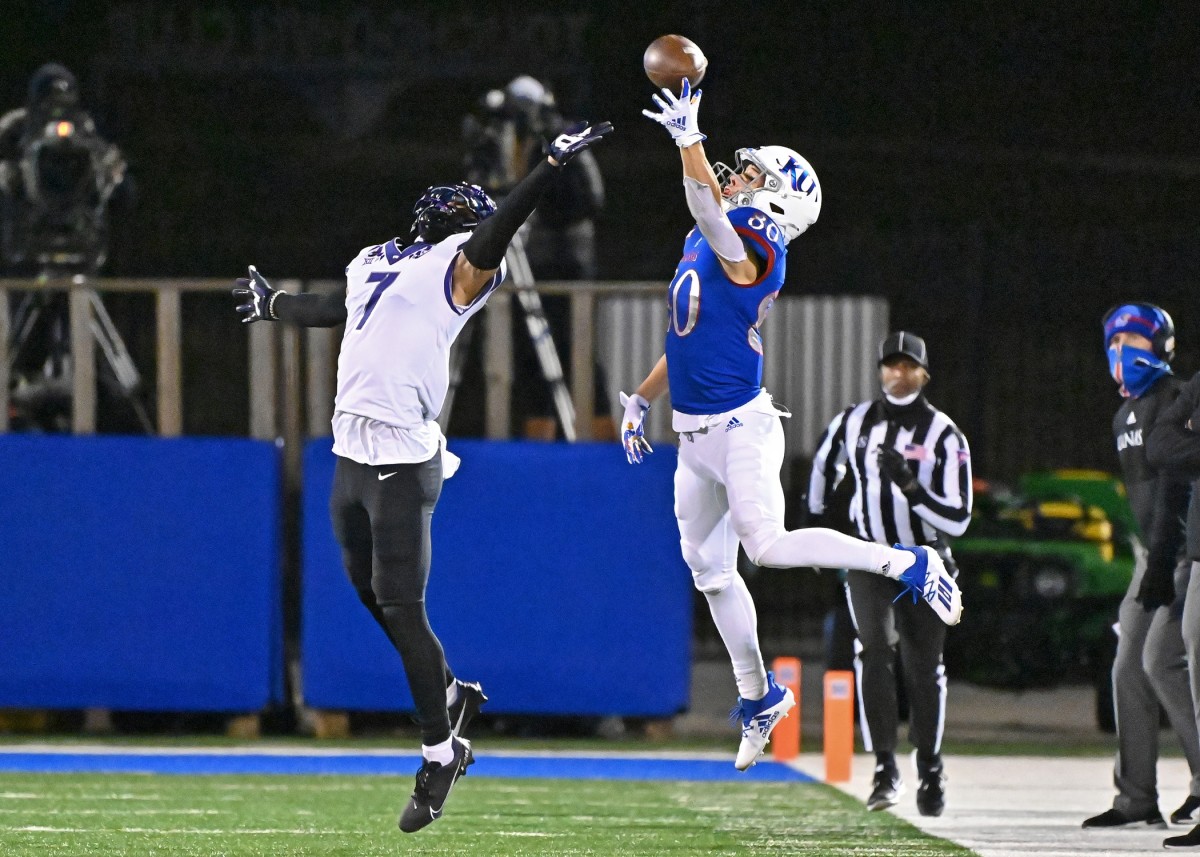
<point>633,429</point>
<point>679,114</point>
<point>258,295</point>
<point>575,139</point>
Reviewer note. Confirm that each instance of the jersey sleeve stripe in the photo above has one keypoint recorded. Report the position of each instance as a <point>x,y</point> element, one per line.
<point>768,254</point>
<point>491,286</point>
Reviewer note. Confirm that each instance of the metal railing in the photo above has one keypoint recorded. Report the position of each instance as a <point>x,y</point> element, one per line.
<point>291,371</point>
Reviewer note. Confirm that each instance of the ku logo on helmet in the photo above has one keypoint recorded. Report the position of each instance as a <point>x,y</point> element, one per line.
<point>797,174</point>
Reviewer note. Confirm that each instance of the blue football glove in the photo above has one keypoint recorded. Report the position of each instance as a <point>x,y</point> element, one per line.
<point>259,297</point>
<point>633,428</point>
<point>575,139</point>
<point>679,114</point>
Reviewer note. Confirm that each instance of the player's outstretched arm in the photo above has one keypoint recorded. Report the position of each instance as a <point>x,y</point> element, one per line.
<point>484,251</point>
<point>680,116</point>
<point>262,302</point>
<point>633,423</point>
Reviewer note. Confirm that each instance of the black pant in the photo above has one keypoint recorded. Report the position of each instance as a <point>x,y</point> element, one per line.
<point>381,516</point>
<point>919,635</point>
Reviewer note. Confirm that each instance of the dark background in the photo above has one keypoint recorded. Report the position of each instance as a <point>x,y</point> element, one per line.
<point>1001,173</point>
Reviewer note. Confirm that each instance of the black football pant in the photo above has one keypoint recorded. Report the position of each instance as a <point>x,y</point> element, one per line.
<point>381,516</point>
<point>918,633</point>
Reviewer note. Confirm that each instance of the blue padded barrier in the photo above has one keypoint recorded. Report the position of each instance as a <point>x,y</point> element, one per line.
<point>557,582</point>
<point>139,573</point>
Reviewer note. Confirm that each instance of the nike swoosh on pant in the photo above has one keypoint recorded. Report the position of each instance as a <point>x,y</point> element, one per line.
<point>383,476</point>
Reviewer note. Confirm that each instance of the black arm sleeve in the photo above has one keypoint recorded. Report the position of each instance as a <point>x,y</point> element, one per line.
<point>1171,445</point>
<point>312,310</point>
<point>489,242</point>
<point>1166,539</point>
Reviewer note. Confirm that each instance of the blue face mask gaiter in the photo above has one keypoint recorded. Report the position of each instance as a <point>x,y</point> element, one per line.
<point>1135,369</point>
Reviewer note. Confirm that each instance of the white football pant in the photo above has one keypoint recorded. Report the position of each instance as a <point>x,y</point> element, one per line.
<point>727,491</point>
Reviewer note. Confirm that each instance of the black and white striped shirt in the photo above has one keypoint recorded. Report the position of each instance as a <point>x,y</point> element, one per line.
<point>881,512</point>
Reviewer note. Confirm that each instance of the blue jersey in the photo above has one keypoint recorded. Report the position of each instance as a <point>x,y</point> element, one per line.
<point>714,349</point>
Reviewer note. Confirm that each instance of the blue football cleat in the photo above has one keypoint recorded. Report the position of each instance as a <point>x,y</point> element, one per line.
<point>928,579</point>
<point>759,718</point>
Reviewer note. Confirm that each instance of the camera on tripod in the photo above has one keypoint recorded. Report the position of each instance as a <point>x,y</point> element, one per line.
<point>56,181</point>
<point>57,178</point>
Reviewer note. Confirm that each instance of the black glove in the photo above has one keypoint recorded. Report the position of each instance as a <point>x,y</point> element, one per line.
<point>259,297</point>
<point>894,465</point>
<point>1158,584</point>
<point>575,139</point>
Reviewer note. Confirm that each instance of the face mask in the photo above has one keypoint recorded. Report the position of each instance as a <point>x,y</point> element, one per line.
<point>1135,369</point>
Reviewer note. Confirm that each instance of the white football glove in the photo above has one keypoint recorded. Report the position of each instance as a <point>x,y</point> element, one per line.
<point>678,115</point>
<point>633,430</point>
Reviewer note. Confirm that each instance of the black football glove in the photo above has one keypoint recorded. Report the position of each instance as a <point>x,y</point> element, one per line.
<point>894,465</point>
<point>575,139</point>
<point>259,297</point>
<point>1158,584</point>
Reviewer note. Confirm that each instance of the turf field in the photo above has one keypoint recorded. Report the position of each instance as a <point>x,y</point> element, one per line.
<point>161,815</point>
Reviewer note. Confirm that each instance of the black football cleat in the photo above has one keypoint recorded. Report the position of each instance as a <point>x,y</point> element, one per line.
<point>470,699</point>
<point>886,788</point>
<point>931,794</point>
<point>434,783</point>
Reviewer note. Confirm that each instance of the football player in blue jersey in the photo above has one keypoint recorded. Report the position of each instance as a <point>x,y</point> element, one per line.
<point>727,487</point>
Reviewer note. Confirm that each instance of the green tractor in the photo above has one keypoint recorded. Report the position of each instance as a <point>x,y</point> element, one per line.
<point>1043,571</point>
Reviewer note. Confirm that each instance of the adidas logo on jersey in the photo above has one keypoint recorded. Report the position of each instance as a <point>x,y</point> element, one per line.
<point>1132,419</point>
<point>732,424</point>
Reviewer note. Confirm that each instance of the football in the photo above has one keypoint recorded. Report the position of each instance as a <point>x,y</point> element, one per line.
<point>670,59</point>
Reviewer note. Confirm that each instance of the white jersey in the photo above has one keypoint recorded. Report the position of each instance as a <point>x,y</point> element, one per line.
<point>394,366</point>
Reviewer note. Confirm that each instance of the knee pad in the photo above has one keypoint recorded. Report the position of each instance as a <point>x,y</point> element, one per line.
<point>758,544</point>
<point>711,579</point>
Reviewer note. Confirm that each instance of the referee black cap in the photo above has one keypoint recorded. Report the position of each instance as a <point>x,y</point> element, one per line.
<point>908,344</point>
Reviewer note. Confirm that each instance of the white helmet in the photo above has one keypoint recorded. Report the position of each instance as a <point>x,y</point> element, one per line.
<point>791,193</point>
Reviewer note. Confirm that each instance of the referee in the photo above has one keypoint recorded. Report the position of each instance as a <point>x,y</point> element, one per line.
<point>912,482</point>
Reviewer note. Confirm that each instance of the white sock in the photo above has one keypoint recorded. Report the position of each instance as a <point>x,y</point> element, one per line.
<point>894,561</point>
<point>733,613</point>
<point>451,693</point>
<point>443,752</point>
<point>822,548</point>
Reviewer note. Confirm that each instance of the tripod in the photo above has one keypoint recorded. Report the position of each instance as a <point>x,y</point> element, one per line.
<point>53,387</point>
<point>521,276</point>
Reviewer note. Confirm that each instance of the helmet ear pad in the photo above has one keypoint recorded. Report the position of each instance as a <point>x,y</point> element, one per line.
<point>1162,328</point>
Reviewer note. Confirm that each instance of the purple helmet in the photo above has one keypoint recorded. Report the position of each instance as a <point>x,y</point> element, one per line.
<point>444,210</point>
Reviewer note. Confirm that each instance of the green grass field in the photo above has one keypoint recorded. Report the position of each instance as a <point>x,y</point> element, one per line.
<point>164,816</point>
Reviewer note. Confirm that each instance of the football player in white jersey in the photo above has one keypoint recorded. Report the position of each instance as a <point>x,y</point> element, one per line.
<point>727,488</point>
<point>404,303</point>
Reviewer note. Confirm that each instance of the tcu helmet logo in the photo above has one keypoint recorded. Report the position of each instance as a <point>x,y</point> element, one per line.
<point>797,174</point>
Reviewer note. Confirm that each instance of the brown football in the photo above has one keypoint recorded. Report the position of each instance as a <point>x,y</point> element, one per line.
<point>670,59</point>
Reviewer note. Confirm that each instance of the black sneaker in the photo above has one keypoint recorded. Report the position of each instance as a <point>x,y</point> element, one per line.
<point>434,782</point>
<point>1186,814</point>
<point>470,699</point>
<point>1116,818</point>
<point>887,788</point>
<point>1191,839</point>
<point>931,794</point>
